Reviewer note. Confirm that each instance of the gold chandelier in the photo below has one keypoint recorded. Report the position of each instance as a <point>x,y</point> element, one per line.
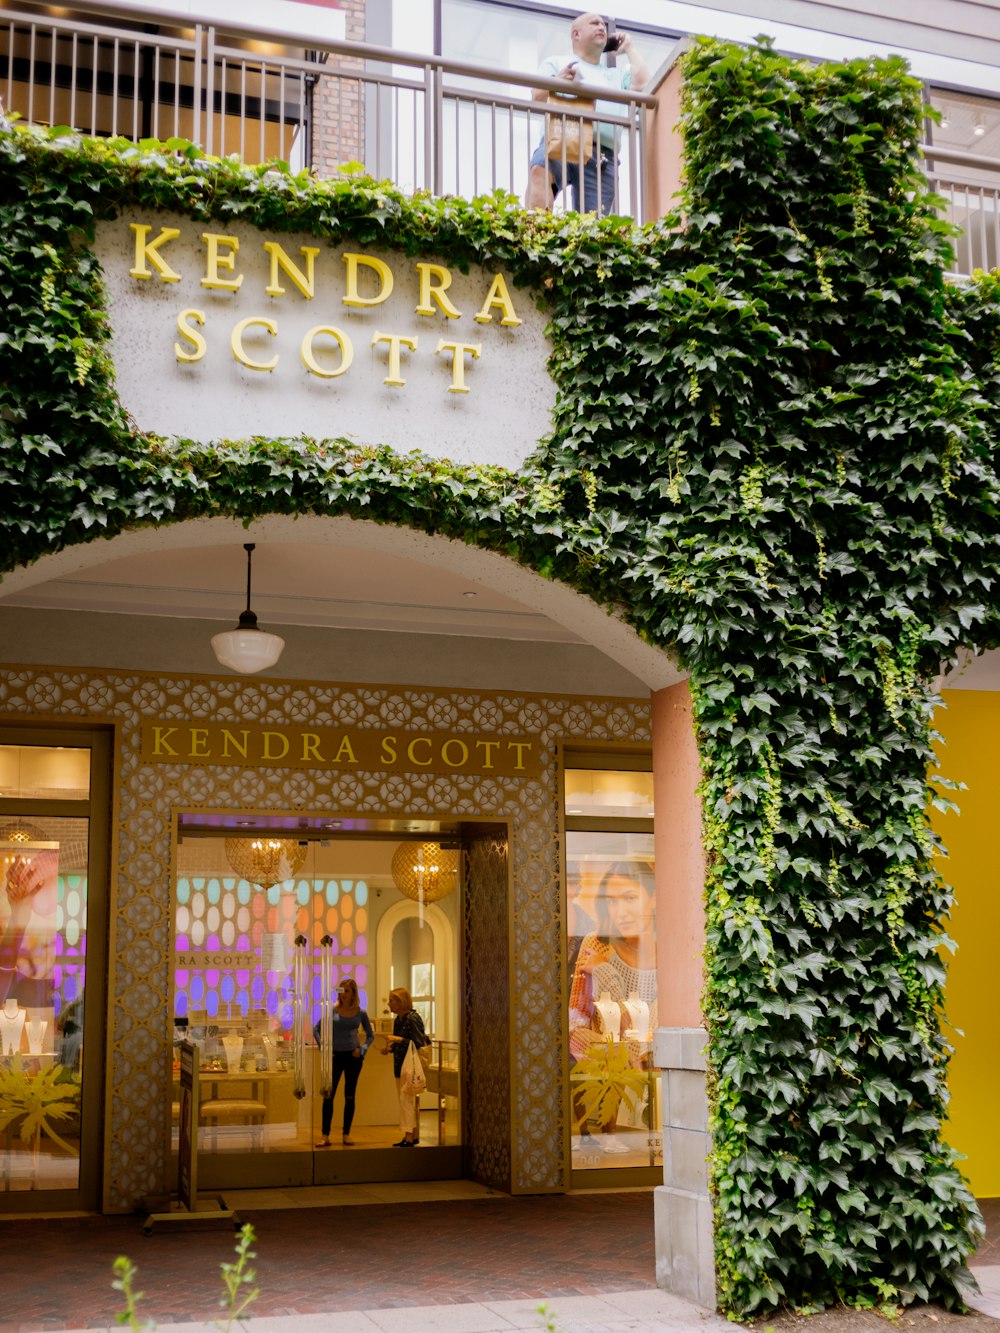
<point>265,861</point>
<point>425,871</point>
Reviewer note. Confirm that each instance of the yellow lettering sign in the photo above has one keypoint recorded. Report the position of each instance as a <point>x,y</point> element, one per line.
<point>239,351</point>
<point>411,751</point>
<point>345,754</point>
<point>458,351</point>
<point>196,339</point>
<point>278,736</point>
<point>310,747</point>
<point>498,295</point>
<point>148,252</point>
<point>519,747</point>
<point>216,258</point>
<point>306,282</point>
<point>264,747</point>
<point>309,357</point>
<point>395,341</point>
<point>447,756</point>
<point>161,743</point>
<point>429,292</point>
<point>489,747</point>
<point>382,271</point>
<point>241,747</point>
<point>197,743</point>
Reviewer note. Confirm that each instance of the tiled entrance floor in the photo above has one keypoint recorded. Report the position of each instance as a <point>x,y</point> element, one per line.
<point>458,1258</point>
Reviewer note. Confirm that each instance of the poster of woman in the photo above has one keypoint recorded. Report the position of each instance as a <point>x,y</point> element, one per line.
<point>613,1011</point>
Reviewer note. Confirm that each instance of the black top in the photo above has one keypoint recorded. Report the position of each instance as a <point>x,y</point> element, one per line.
<point>411,1028</point>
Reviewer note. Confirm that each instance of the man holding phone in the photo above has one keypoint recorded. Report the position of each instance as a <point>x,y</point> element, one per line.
<point>586,66</point>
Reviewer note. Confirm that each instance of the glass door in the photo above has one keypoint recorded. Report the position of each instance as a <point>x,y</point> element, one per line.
<point>51,974</point>
<point>268,925</point>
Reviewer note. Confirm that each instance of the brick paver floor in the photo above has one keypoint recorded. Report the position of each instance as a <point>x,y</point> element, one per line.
<point>57,1272</point>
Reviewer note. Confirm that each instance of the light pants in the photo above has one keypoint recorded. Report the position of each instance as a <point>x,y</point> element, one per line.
<point>407,1108</point>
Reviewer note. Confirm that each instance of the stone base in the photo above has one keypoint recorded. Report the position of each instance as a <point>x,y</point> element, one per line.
<point>685,1250</point>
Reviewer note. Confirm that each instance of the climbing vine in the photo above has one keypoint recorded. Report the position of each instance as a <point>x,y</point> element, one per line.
<point>772,452</point>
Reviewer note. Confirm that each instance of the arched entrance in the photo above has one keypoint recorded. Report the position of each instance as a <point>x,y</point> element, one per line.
<point>543,662</point>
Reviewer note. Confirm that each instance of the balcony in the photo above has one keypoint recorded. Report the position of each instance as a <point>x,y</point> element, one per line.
<point>445,126</point>
<point>423,122</point>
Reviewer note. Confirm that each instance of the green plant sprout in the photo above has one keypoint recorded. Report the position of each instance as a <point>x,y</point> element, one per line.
<point>547,1316</point>
<point>124,1281</point>
<point>238,1287</point>
<point>238,1280</point>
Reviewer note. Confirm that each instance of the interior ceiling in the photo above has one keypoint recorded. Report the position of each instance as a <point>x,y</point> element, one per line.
<point>306,584</point>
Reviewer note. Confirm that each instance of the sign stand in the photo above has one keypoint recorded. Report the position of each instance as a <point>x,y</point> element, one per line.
<point>187,1155</point>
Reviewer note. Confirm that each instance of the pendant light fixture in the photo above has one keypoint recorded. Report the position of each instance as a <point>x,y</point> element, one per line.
<point>425,872</point>
<point>247,648</point>
<point>265,861</point>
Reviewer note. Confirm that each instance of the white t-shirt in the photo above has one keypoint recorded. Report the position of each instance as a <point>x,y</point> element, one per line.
<point>599,76</point>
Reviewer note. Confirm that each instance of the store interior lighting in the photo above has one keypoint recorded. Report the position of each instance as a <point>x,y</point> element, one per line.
<point>247,648</point>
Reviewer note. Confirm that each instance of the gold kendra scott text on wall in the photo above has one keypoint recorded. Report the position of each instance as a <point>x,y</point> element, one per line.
<point>340,748</point>
<point>326,350</point>
<point>225,332</point>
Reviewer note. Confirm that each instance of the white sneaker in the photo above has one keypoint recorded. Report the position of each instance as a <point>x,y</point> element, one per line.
<point>611,1143</point>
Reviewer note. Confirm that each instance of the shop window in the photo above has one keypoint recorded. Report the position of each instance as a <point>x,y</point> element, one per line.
<point>611,968</point>
<point>46,920</point>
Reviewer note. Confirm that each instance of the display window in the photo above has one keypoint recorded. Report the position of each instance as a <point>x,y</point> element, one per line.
<point>611,970</point>
<point>44,930</point>
<point>287,953</point>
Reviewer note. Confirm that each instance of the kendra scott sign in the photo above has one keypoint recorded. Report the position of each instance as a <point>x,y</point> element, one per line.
<point>341,748</point>
<point>222,332</point>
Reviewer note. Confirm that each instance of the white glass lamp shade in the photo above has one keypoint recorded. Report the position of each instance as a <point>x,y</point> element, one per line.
<point>247,650</point>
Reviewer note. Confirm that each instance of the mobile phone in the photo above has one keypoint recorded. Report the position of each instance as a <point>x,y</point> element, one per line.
<point>613,42</point>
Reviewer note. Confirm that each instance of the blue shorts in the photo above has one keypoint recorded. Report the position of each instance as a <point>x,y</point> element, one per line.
<point>600,179</point>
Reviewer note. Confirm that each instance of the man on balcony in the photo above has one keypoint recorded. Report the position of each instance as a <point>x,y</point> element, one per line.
<point>551,173</point>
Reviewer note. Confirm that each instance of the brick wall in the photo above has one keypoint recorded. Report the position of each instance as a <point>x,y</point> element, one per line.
<point>338,103</point>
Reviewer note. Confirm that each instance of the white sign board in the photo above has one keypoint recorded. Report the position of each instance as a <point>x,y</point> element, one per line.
<point>220,332</point>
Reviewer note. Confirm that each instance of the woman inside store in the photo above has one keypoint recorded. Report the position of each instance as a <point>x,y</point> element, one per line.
<point>349,1051</point>
<point>407,1026</point>
<point>613,993</point>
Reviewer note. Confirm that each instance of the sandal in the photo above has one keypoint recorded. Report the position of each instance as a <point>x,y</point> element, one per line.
<point>348,1141</point>
<point>324,1143</point>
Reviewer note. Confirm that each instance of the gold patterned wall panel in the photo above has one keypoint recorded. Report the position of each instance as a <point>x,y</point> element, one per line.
<point>488,1006</point>
<point>148,795</point>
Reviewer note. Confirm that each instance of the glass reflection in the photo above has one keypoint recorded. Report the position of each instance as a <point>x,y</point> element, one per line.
<point>612,1001</point>
<point>43,929</point>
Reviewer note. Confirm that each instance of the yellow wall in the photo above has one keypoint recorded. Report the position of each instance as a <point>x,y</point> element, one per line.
<point>970,725</point>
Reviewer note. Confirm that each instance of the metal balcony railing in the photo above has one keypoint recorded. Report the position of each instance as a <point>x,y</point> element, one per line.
<point>970,186</point>
<point>449,127</point>
<point>425,123</point>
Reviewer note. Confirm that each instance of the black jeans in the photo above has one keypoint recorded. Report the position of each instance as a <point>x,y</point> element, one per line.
<point>348,1064</point>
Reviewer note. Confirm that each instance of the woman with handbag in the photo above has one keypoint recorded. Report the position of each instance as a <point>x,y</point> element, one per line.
<point>348,1054</point>
<point>407,1028</point>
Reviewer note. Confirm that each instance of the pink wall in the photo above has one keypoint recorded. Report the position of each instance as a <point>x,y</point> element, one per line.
<point>680,860</point>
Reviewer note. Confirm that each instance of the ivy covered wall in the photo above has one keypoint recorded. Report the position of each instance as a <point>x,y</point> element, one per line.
<point>772,452</point>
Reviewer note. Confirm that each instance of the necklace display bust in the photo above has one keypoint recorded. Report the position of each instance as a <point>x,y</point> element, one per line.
<point>637,1011</point>
<point>36,1033</point>
<point>11,1027</point>
<point>609,1015</point>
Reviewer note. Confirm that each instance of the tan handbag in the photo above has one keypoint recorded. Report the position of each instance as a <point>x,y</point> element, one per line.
<point>567,135</point>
